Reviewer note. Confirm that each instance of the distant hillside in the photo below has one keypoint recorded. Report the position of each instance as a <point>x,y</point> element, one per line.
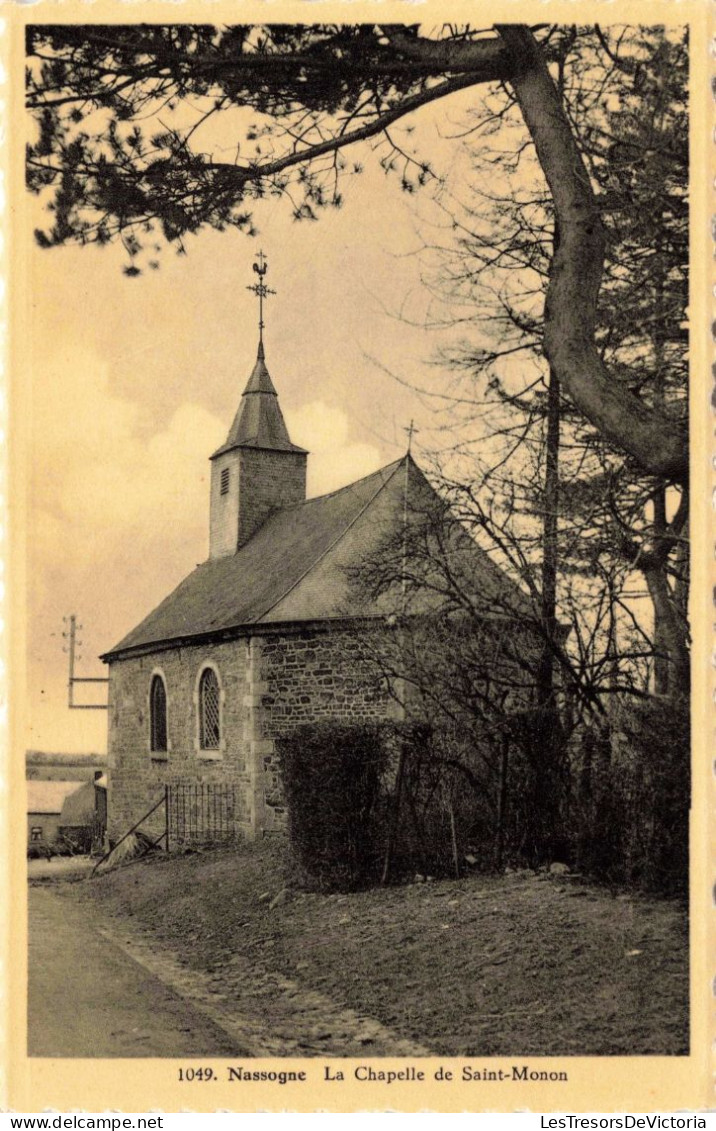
<point>42,765</point>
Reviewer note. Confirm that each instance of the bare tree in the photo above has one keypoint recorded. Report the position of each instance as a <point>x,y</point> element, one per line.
<point>493,260</point>
<point>316,92</point>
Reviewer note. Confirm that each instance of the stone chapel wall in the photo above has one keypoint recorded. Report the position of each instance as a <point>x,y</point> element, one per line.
<point>315,674</point>
<point>268,481</point>
<point>137,775</point>
<point>270,684</point>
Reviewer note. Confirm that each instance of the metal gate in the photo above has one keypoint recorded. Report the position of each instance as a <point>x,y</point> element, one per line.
<point>200,813</point>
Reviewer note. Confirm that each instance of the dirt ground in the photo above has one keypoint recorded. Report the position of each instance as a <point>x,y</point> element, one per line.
<point>59,867</point>
<point>510,965</point>
<point>88,998</point>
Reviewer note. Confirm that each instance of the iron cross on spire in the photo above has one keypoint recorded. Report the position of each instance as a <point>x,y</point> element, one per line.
<point>411,431</point>
<point>259,288</point>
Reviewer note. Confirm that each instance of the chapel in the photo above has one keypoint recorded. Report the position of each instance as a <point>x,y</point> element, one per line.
<point>265,634</point>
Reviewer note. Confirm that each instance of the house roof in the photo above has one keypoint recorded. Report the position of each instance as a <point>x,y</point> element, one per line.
<point>298,565</point>
<point>49,796</point>
<point>259,421</point>
<point>79,807</point>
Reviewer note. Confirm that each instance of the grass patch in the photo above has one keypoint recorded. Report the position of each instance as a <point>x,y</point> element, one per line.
<point>512,965</point>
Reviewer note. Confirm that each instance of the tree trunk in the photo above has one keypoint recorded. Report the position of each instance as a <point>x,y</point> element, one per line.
<point>672,631</point>
<point>658,444</point>
<point>394,817</point>
<point>548,609</point>
<point>662,660</point>
<point>548,768</point>
<point>671,675</point>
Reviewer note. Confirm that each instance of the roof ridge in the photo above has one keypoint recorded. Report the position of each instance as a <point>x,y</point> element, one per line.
<point>347,486</point>
<point>335,541</point>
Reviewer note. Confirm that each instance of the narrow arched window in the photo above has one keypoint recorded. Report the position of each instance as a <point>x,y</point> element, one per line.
<point>158,714</point>
<point>209,729</point>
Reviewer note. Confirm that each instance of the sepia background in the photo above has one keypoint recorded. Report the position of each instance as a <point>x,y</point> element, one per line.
<point>133,383</point>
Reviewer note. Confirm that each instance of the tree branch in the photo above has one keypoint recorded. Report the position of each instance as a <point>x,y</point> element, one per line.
<point>255,172</point>
<point>659,444</point>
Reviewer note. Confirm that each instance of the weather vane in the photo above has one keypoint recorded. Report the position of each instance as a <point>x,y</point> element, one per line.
<point>259,288</point>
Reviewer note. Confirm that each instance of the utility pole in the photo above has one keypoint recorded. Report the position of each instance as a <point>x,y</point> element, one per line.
<point>72,644</point>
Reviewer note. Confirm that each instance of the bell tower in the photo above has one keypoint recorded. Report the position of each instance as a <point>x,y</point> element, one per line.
<point>258,469</point>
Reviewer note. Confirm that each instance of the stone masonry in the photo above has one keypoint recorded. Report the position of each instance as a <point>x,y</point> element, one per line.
<point>258,483</point>
<point>269,684</point>
<point>309,676</point>
<point>138,775</point>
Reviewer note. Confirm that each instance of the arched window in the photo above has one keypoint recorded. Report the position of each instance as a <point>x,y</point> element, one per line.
<point>158,715</point>
<point>209,728</point>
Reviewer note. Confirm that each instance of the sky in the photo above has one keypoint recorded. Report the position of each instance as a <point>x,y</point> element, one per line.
<point>134,382</point>
<point>130,384</point>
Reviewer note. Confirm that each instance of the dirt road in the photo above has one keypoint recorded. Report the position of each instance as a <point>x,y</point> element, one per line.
<point>88,998</point>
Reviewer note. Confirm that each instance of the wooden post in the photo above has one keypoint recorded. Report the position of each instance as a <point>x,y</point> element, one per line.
<point>453,836</point>
<point>502,802</point>
<point>395,816</point>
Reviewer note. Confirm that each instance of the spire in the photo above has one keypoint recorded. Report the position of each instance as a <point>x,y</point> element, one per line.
<point>260,379</point>
<point>259,421</point>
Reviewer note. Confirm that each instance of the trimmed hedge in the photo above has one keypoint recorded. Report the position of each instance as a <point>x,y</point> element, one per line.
<point>332,781</point>
<point>388,800</point>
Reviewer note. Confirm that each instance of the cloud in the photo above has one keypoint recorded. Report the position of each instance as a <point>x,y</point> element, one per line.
<point>335,460</point>
<point>119,514</point>
<point>98,478</point>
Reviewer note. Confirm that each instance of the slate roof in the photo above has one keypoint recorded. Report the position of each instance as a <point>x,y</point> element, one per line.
<point>297,566</point>
<point>80,808</point>
<point>259,421</point>
<point>49,796</point>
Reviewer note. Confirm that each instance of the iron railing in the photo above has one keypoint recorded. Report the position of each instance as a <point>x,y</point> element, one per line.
<point>200,813</point>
